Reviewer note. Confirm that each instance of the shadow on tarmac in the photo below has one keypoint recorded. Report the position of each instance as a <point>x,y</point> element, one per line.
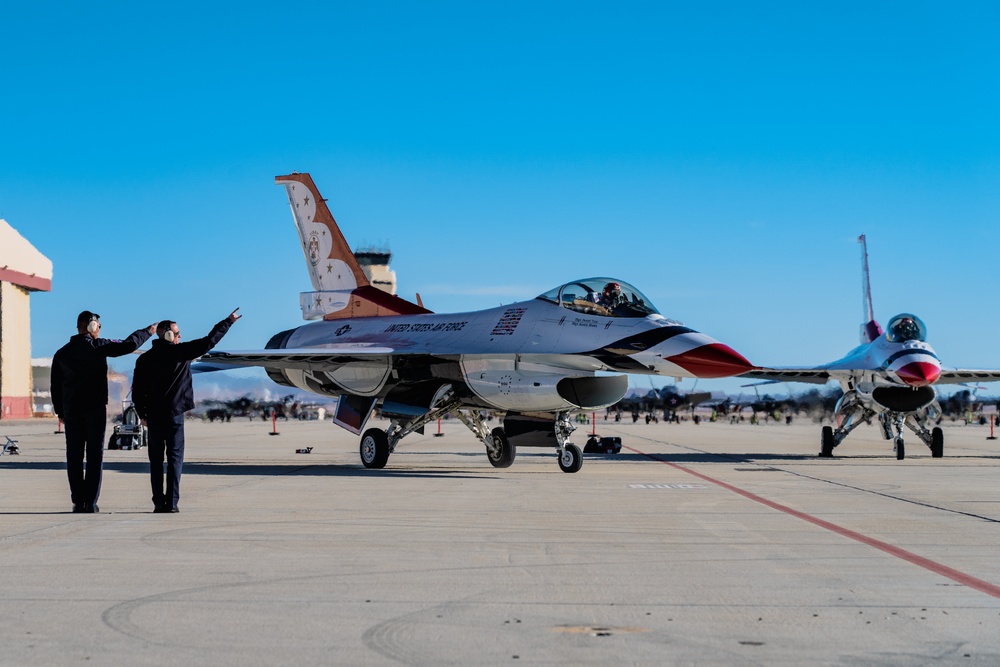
<point>357,470</point>
<point>262,469</point>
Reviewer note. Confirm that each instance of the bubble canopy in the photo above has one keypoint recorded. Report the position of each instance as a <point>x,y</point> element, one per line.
<point>906,327</point>
<point>607,297</point>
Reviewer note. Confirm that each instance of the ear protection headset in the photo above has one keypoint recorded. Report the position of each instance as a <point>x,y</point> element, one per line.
<point>165,331</point>
<point>93,326</point>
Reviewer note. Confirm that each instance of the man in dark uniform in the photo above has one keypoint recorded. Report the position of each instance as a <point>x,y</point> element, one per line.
<point>162,391</point>
<point>80,399</point>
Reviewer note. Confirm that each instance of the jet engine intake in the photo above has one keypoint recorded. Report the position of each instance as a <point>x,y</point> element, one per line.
<point>903,399</point>
<point>592,393</point>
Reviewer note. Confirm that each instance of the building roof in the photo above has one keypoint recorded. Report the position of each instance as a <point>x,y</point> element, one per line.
<point>20,263</point>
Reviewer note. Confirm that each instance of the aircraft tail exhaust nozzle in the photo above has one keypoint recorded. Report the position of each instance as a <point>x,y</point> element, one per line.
<point>919,373</point>
<point>714,360</point>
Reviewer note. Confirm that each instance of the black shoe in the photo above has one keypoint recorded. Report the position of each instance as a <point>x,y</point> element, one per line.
<point>174,510</point>
<point>78,507</point>
<point>90,508</point>
<point>160,509</point>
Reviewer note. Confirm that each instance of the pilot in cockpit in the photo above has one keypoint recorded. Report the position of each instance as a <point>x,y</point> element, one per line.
<point>612,296</point>
<point>905,329</point>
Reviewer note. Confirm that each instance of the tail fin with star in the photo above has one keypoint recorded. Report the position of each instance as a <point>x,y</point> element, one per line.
<point>340,287</point>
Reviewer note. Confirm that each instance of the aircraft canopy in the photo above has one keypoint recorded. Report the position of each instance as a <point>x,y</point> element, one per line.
<point>607,297</point>
<point>905,327</point>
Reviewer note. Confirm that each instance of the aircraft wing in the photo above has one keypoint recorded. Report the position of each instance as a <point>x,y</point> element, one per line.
<point>960,375</point>
<point>811,375</point>
<point>302,358</point>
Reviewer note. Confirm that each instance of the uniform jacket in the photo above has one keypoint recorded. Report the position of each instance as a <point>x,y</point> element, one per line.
<point>161,386</point>
<point>80,370</point>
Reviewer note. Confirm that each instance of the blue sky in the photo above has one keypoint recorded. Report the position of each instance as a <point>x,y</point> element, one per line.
<point>722,157</point>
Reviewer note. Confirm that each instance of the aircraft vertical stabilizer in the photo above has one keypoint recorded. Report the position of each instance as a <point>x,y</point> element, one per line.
<point>870,329</point>
<point>329,259</point>
<point>341,288</point>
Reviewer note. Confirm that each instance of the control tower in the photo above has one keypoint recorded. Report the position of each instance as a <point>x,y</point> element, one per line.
<point>375,263</point>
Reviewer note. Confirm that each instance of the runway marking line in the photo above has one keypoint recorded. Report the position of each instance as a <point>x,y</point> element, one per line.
<point>910,557</point>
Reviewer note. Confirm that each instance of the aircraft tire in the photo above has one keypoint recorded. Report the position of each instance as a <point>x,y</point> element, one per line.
<point>374,448</point>
<point>571,459</point>
<point>937,443</point>
<point>505,456</point>
<point>900,449</point>
<point>826,443</point>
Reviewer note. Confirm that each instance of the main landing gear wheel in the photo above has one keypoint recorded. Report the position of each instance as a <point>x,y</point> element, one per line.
<point>900,449</point>
<point>937,442</point>
<point>826,444</point>
<point>503,454</point>
<point>374,448</point>
<point>571,458</point>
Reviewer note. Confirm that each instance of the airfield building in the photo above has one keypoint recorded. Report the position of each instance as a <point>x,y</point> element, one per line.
<point>23,270</point>
<point>375,264</point>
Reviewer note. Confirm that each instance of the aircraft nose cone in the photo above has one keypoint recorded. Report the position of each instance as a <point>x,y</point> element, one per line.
<point>714,360</point>
<point>919,373</point>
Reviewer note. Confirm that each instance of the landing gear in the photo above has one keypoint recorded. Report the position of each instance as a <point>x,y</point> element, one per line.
<point>376,444</point>
<point>885,422</point>
<point>937,443</point>
<point>570,458</point>
<point>502,453</point>
<point>374,448</point>
<point>852,414</point>
<point>933,438</point>
<point>827,443</point>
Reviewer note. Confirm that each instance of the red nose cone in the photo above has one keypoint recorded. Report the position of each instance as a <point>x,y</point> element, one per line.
<point>919,373</point>
<point>712,361</point>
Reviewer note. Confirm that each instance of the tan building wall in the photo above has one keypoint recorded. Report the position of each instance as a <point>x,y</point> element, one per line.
<point>22,270</point>
<point>15,352</point>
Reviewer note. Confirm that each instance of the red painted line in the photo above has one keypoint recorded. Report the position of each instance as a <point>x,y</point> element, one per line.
<point>935,567</point>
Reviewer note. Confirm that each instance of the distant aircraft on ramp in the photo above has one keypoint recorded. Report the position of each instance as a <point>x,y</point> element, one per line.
<point>891,376</point>
<point>534,361</point>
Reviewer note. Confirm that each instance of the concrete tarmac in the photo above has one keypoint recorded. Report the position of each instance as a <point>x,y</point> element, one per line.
<point>710,544</point>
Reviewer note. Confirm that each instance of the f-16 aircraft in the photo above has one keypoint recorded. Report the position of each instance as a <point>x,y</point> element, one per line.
<point>534,361</point>
<point>889,376</point>
<point>665,401</point>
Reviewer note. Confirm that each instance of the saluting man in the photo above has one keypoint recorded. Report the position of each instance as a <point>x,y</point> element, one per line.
<point>162,392</point>
<point>80,399</point>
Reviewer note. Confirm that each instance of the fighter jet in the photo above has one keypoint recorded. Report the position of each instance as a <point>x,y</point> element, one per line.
<point>891,376</point>
<point>535,358</point>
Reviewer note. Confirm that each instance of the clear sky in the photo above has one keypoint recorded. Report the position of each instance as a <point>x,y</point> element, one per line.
<point>723,157</point>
